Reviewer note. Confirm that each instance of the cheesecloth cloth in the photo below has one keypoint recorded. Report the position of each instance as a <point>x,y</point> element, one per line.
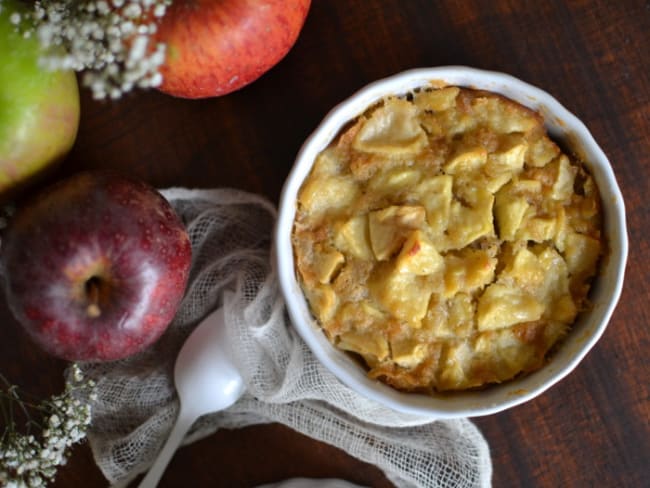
<point>136,404</point>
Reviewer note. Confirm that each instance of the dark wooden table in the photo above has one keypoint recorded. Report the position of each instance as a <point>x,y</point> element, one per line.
<point>593,428</point>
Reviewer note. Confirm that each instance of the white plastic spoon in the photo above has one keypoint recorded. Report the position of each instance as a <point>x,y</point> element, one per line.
<point>206,381</point>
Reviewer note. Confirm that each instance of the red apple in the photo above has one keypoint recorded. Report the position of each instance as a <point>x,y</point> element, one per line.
<point>95,266</point>
<point>217,47</point>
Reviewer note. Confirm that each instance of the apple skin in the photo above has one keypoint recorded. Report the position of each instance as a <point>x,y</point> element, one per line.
<point>95,266</point>
<point>39,109</point>
<point>217,47</point>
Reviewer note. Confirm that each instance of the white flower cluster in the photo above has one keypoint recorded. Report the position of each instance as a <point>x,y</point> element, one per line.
<point>28,461</point>
<point>109,40</point>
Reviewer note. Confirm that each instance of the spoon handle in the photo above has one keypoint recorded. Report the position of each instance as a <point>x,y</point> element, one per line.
<point>182,425</point>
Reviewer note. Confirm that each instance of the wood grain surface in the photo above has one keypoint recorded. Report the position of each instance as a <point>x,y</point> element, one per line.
<point>593,428</point>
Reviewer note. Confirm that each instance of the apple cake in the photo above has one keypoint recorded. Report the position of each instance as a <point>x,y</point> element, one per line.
<point>445,240</point>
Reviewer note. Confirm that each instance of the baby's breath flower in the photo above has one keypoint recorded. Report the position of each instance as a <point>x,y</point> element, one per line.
<point>93,35</point>
<point>29,460</point>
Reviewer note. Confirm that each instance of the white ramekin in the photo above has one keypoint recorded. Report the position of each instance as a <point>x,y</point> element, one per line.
<point>563,126</point>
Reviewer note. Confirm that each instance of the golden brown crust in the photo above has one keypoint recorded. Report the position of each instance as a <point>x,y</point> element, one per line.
<point>446,240</point>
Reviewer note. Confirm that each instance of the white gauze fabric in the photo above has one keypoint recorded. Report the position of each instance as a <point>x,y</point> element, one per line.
<point>136,404</point>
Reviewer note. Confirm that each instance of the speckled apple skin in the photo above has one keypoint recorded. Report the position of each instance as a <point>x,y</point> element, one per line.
<point>101,226</point>
<point>217,47</point>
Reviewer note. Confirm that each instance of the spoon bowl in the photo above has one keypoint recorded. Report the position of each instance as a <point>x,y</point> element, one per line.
<point>206,380</point>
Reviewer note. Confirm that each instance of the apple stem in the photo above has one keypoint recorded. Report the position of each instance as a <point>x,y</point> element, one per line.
<point>92,292</point>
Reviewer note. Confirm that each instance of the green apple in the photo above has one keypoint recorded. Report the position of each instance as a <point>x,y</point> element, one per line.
<point>39,109</point>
